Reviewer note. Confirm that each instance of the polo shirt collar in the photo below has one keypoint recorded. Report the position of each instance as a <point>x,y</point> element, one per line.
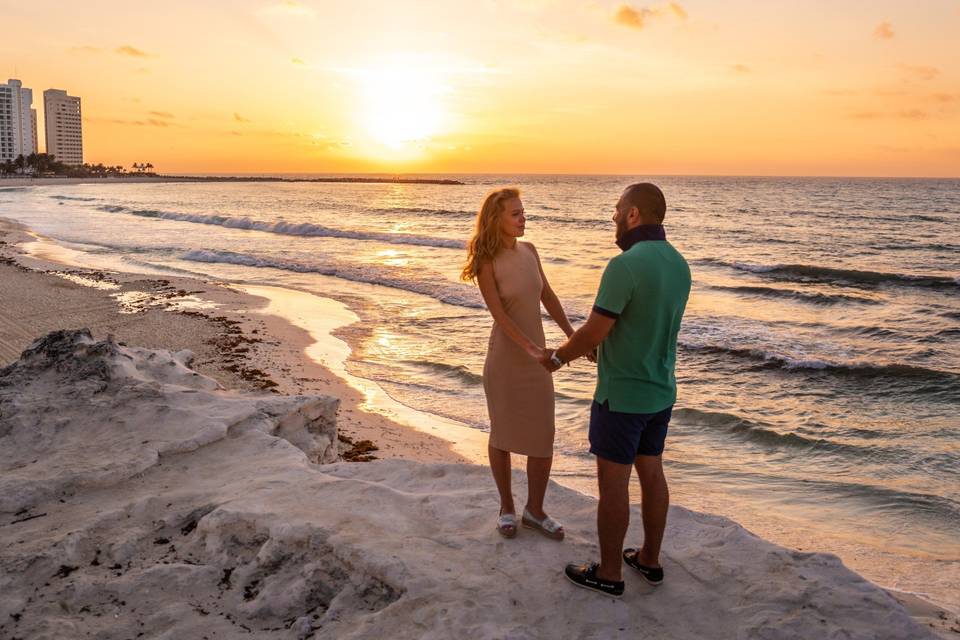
<point>640,234</point>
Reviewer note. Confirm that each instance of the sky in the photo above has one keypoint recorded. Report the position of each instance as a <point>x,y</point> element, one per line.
<point>815,87</point>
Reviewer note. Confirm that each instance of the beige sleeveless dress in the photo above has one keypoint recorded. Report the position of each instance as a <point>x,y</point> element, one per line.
<point>519,390</point>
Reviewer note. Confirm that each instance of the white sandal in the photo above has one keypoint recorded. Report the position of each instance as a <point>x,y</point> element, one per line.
<point>548,526</point>
<point>507,525</point>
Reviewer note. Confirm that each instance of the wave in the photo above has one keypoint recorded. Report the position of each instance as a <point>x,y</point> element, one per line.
<point>940,510</point>
<point>78,198</point>
<point>442,291</point>
<point>459,372</point>
<point>777,361</point>
<point>764,435</point>
<point>811,273</point>
<point>934,246</point>
<point>302,229</point>
<point>814,298</point>
<point>444,213</point>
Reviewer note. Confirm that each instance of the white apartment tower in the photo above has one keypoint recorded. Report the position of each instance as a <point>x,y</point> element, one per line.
<point>18,121</point>
<point>63,124</point>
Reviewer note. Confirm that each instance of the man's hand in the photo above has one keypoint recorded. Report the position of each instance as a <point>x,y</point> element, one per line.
<point>547,361</point>
<point>592,355</point>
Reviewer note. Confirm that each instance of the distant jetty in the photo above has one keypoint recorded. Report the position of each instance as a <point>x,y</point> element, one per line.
<point>370,179</point>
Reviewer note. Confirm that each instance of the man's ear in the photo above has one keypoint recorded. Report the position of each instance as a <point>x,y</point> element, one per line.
<point>634,213</point>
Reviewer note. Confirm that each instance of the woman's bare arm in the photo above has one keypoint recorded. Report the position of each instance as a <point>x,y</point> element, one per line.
<point>488,289</point>
<point>550,300</point>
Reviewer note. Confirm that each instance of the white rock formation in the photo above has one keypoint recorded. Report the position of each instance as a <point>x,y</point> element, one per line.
<point>141,501</point>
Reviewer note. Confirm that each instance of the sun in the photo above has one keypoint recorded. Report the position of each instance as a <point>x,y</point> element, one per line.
<point>402,102</point>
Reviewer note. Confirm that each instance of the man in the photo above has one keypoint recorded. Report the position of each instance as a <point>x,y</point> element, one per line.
<point>635,321</point>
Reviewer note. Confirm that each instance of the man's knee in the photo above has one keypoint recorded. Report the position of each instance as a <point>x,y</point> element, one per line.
<point>612,476</point>
<point>649,468</point>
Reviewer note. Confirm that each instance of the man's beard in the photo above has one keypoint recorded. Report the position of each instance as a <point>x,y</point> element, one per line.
<point>621,228</point>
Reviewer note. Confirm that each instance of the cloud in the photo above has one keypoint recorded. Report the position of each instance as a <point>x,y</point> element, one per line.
<point>633,18</point>
<point>904,114</point>
<point>161,114</point>
<point>149,122</point>
<point>884,31</point>
<point>740,68</point>
<point>239,118</point>
<point>133,52</point>
<point>288,7</point>
<point>920,72</point>
<point>86,49</point>
<point>297,61</point>
<point>627,16</point>
<point>843,93</point>
<point>945,97</point>
<point>912,114</point>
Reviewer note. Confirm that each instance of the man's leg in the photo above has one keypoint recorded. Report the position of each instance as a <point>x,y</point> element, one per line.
<point>656,500</point>
<point>613,515</point>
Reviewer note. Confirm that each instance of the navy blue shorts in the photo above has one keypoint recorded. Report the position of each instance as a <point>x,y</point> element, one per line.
<point>621,437</point>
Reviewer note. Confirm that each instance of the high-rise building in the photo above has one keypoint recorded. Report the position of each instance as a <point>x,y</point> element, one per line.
<point>18,128</point>
<point>63,126</point>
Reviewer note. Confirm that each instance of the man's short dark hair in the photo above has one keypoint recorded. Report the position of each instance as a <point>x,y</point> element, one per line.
<point>648,199</point>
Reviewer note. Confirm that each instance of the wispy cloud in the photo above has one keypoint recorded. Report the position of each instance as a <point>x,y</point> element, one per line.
<point>740,68</point>
<point>239,118</point>
<point>920,72</point>
<point>678,11</point>
<point>297,61</point>
<point>86,49</point>
<point>627,16</point>
<point>133,52</point>
<point>149,122</point>
<point>289,7</point>
<point>162,114</point>
<point>903,114</point>
<point>913,114</point>
<point>884,31</point>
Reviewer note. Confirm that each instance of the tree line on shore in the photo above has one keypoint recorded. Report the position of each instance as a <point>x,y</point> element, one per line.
<point>46,165</point>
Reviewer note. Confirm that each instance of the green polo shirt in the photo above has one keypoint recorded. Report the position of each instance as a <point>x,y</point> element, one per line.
<point>645,289</point>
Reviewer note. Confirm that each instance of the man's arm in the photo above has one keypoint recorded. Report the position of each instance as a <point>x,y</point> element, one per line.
<point>583,341</point>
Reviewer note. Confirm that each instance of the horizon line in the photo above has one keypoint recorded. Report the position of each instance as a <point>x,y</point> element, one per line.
<point>534,173</point>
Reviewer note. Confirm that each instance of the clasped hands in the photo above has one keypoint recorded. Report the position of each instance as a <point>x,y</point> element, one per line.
<point>545,358</point>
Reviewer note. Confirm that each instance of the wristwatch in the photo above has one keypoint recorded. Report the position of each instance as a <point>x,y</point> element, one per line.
<point>555,359</point>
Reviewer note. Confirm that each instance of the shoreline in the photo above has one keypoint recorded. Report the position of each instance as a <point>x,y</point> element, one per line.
<point>235,341</point>
<point>280,351</point>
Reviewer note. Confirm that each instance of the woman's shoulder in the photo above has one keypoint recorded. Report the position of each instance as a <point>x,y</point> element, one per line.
<point>528,246</point>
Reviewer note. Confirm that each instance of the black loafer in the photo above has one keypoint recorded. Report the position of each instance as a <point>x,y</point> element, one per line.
<point>653,575</point>
<point>585,575</point>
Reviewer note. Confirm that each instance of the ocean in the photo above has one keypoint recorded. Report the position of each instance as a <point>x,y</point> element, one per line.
<point>818,364</point>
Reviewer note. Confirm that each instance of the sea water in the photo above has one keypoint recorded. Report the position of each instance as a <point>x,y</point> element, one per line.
<point>818,364</point>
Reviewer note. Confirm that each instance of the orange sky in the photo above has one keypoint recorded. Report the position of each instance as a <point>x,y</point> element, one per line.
<point>695,87</point>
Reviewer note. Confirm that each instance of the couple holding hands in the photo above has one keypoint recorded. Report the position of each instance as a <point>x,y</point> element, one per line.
<point>631,333</point>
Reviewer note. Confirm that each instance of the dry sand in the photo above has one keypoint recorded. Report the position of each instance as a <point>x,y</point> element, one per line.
<point>151,492</point>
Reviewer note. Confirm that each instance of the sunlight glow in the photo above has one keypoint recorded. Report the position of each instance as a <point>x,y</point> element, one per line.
<point>402,102</point>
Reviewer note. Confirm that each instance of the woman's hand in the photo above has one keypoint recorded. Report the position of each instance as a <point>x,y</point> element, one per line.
<point>535,352</point>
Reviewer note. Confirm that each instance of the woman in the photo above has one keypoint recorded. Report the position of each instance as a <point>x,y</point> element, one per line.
<point>519,390</point>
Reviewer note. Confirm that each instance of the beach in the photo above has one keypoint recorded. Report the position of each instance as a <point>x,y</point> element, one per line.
<point>255,526</point>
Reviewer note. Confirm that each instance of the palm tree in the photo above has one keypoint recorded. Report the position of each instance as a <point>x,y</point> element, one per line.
<point>148,167</point>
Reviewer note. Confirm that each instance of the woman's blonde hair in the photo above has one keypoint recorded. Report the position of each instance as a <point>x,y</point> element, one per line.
<point>487,239</point>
